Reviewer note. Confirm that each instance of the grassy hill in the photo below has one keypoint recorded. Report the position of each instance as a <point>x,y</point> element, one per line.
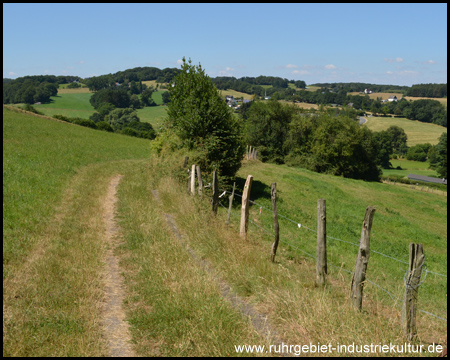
<point>417,132</point>
<point>55,179</point>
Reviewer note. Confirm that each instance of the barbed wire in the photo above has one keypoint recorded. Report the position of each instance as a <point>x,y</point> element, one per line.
<point>330,237</point>
<point>393,296</point>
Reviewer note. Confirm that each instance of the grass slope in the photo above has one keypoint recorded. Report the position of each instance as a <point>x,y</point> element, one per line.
<point>417,132</point>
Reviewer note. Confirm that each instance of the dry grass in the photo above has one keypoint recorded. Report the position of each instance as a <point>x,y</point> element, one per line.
<point>383,96</point>
<point>75,91</point>
<point>443,101</point>
<point>286,291</point>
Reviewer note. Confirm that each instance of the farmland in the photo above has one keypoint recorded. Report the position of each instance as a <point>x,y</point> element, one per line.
<point>417,132</point>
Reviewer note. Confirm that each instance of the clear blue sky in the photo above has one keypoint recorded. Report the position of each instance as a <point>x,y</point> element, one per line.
<point>400,44</point>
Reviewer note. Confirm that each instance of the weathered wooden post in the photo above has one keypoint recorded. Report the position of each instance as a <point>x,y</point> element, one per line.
<point>247,152</point>
<point>200,181</point>
<point>321,265</point>
<point>193,179</point>
<point>416,260</point>
<point>359,276</point>
<point>250,152</point>
<point>215,186</point>
<point>273,193</point>
<point>231,204</point>
<point>186,161</point>
<point>245,206</point>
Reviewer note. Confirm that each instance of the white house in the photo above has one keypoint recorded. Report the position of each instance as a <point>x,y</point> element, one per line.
<point>392,98</point>
<point>367,91</point>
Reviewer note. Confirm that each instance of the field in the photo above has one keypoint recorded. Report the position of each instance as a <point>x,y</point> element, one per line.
<point>385,96</point>
<point>410,167</point>
<point>153,115</point>
<point>56,177</point>
<point>417,132</point>
<point>235,94</point>
<point>301,105</point>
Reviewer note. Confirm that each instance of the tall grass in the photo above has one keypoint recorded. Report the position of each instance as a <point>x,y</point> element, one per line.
<point>286,290</point>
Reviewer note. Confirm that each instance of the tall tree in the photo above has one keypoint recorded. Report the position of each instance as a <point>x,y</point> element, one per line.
<point>202,120</point>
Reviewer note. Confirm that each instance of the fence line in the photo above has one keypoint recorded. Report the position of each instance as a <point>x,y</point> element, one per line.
<point>393,297</point>
<point>330,237</point>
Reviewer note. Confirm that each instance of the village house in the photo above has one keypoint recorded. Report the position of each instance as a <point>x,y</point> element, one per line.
<point>392,98</point>
<point>367,91</point>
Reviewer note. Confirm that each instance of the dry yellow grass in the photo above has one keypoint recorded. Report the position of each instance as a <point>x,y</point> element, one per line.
<point>235,94</point>
<point>74,91</point>
<point>443,101</point>
<point>383,96</point>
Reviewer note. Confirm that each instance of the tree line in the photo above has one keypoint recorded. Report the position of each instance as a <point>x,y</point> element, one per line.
<point>326,141</point>
<point>360,87</point>
<point>428,90</point>
<point>32,89</point>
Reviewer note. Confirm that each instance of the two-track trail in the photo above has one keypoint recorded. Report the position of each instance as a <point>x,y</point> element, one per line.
<point>116,329</point>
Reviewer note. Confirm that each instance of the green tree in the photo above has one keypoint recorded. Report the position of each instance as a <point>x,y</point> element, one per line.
<point>135,102</point>
<point>165,97</point>
<point>398,139</point>
<point>119,118</point>
<point>267,126</point>
<point>203,121</point>
<point>146,97</point>
<point>438,156</point>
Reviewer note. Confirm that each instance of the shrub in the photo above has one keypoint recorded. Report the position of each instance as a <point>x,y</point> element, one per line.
<point>104,126</point>
<point>28,107</point>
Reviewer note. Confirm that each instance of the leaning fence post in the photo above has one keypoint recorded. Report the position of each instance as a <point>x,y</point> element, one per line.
<point>231,204</point>
<point>321,265</point>
<point>247,152</point>
<point>273,193</point>
<point>193,179</point>
<point>245,206</point>
<point>186,161</point>
<point>215,187</point>
<point>200,181</point>
<point>359,276</point>
<point>412,280</point>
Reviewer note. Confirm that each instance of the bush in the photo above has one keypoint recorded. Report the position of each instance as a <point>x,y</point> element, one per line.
<point>28,107</point>
<point>73,85</point>
<point>61,117</point>
<point>104,126</point>
<point>85,122</point>
<point>129,131</point>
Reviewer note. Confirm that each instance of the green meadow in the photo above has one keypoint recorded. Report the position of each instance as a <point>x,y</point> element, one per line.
<point>417,132</point>
<point>55,179</point>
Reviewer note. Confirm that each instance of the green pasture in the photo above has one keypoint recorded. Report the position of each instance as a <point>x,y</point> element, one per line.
<point>153,115</point>
<point>402,216</point>
<point>417,132</point>
<point>39,156</point>
<point>410,167</point>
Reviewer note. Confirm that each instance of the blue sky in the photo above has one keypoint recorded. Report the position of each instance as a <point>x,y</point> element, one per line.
<point>399,44</point>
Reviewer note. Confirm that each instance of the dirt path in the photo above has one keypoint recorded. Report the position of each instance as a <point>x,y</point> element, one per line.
<point>260,322</point>
<point>116,329</point>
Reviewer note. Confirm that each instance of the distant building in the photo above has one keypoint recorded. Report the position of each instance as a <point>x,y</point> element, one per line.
<point>392,98</point>
<point>367,91</point>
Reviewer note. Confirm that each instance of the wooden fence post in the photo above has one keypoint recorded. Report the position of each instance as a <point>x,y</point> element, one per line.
<point>193,179</point>
<point>231,204</point>
<point>321,264</point>
<point>245,206</point>
<point>250,152</point>
<point>359,276</point>
<point>247,152</point>
<point>215,186</point>
<point>186,161</point>
<point>416,260</point>
<point>273,193</point>
<point>200,181</point>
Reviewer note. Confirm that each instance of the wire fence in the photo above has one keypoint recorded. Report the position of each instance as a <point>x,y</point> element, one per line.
<point>396,299</point>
